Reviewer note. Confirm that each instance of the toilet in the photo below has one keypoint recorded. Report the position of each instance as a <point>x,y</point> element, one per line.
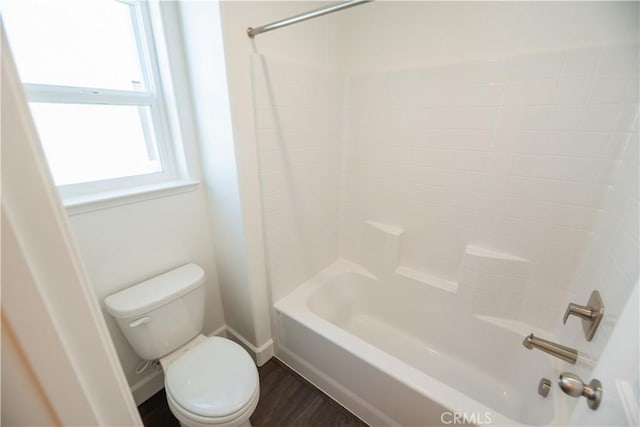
<point>209,381</point>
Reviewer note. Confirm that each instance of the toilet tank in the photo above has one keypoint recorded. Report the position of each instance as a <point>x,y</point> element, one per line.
<point>161,314</point>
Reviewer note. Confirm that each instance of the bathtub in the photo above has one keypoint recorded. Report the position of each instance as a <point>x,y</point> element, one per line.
<point>396,352</point>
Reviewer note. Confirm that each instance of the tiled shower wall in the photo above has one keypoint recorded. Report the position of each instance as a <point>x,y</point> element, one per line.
<point>514,155</point>
<point>299,112</point>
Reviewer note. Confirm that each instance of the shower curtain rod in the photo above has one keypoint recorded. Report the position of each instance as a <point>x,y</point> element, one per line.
<point>333,7</point>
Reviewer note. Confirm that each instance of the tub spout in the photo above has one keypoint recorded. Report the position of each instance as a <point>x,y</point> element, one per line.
<point>565,353</point>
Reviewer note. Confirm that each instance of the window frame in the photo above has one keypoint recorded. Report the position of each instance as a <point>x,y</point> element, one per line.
<point>151,97</point>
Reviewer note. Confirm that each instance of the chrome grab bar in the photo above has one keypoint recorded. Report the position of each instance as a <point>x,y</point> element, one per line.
<point>560,351</point>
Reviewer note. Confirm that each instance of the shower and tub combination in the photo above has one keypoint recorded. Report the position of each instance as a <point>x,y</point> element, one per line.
<point>450,242</point>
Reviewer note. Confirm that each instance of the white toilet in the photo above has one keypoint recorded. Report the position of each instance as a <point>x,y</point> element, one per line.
<point>209,381</point>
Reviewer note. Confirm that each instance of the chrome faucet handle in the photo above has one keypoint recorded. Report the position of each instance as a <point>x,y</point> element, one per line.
<point>573,386</point>
<point>591,314</point>
<point>579,311</point>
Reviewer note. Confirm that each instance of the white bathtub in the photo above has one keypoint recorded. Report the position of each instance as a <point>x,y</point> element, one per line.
<point>402,353</point>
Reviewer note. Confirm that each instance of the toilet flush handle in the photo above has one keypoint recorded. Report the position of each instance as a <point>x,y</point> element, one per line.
<point>139,322</point>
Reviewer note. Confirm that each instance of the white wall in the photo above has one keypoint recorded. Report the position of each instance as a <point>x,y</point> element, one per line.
<point>619,373</point>
<point>611,264</point>
<point>513,155</point>
<point>230,156</point>
<point>517,136</point>
<point>298,113</point>
<point>124,245</point>
<point>510,126</point>
<point>502,124</point>
<point>241,266</point>
<point>400,34</point>
<point>312,44</point>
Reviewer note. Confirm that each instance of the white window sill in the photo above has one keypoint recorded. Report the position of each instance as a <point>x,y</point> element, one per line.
<point>94,202</point>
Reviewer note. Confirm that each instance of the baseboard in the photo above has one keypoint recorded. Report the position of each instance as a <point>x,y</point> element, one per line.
<point>336,391</point>
<point>260,354</point>
<point>220,332</point>
<point>148,386</point>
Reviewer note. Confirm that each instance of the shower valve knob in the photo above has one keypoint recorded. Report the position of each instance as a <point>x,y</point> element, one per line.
<point>573,386</point>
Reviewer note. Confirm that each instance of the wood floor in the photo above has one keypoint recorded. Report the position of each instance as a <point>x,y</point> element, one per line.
<point>286,400</point>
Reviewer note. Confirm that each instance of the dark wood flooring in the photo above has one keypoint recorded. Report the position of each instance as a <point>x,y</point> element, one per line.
<point>286,400</point>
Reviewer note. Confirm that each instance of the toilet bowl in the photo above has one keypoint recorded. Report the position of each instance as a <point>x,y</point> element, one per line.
<point>209,381</point>
<point>212,383</point>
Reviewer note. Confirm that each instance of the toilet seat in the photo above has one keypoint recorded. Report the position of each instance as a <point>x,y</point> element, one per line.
<point>214,383</point>
<point>239,418</point>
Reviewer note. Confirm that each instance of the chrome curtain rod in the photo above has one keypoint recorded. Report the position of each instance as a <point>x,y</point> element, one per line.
<point>333,7</point>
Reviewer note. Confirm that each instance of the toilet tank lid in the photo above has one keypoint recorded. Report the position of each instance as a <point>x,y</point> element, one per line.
<point>155,292</point>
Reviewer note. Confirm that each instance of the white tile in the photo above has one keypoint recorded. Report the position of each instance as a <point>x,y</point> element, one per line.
<point>273,182</point>
<point>276,202</point>
<point>530,92</point>
<point>580,62</point>
<point>605,174</point>
<point>497,304</point>
<point>562,168</point>
<point>487,94</point>
<point>532,142</point>
<point>633,88</point>
<point>503,140</point>
<point>496,71</point>
<point>510,116</point>
<point>358,117</point>
<point>447,172</point>
<point>575,193</point>
<point>378,117</point>
<point>497,162</point>
<point>538,66</point>
<point>628,223</point>
<point>270,139</point>
<point>490,204</point>
<point>441,196</point>
<point>455,139</point>
<point>574,90</point>
<point>628,117</point>
<point>618,59</point>
<point>472,117</point>
<point>609,89</point>
<point>584,144</point>
<point>531,117</point>
<point>450,159</point>
<point>616,144</point>
<point>601,117</point>
<point>265,117</point>
<point>573,216</point>
<point>525,165</point>
<point>462,180</point>
<point>536,117</point>
<point>567,117</point>
<point>626,252</point>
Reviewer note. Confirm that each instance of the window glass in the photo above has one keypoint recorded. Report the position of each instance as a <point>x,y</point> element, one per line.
<point>91,78</point>
<point>90,43</point>
<point>86,142</point>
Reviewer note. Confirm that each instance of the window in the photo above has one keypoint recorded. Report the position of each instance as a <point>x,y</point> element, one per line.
<point>91,77</point>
